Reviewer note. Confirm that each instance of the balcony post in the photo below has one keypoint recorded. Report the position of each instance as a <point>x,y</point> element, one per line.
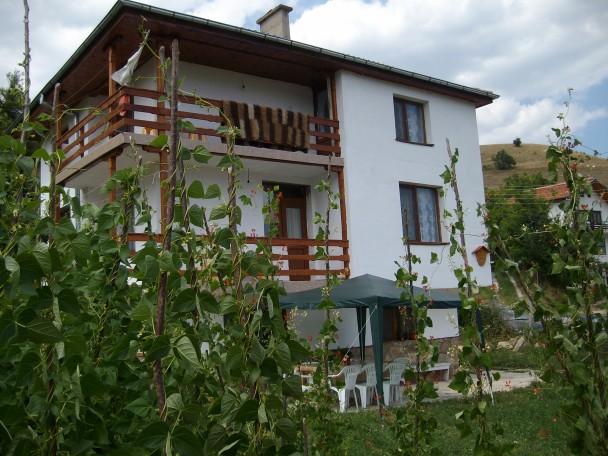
<point>111,171</point>
<point>341,189</point>
<point>111,69</point>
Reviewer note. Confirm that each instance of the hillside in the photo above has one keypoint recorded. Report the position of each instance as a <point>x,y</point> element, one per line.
<point>531,159</point>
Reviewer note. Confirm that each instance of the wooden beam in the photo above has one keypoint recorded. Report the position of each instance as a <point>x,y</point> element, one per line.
<point>343,222</point>
<point>334,110</point>
<point>111,70</point>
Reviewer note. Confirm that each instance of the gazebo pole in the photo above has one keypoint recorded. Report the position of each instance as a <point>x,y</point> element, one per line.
<point>377,322</point>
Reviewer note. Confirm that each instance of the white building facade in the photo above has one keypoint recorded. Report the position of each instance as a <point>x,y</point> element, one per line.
<point>381,131</point>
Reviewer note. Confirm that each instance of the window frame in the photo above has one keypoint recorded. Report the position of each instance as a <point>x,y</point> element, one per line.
<point>416,214</point>
<point>402,103</point>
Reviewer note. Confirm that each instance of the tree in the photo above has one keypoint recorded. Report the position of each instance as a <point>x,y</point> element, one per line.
<point>503,160</point>
<point>521,219</point>
<point>517,142</point>
<point>11,102</point>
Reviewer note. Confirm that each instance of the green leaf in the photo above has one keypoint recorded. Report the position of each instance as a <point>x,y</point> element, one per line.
<point>68,301</point>
<point>196,190</point>
<point>160,141</point>
<point>248,411</point>
<point>196,216</point>
<point>229,448</point>
<point>41,153</point>
<point>201,154</point>
<point>26,164</point>
<point>282,356</point>
<point>154,435</point>
<point>234,359</point>
<point>262,414</point>
<point>143,312</point>
<point>42,330</point>
<point>174,402</point>
<point>159,349</point>
<point>165,262</point>
<point>43,300</point>
<point>216,438</point>
<point>208,302</point>
<point>286,429</point>
<point>219,212</point>
<point>185,442</point>
<point>258,352</point>
<point>140,407</point>
<point>292,386</point>
<point>213,191</point>
<point>12,266</point>
<point>298,352</point>
<point>186,351</point>
<point>185,301</point>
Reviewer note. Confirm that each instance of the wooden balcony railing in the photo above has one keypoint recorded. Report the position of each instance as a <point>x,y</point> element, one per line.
<point>145,111</point>
<point>598,226</point>
<point>339,258</point>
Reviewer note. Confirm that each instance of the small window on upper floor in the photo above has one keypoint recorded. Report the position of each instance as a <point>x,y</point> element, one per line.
<point>421,205</point>
<point>409,121</point>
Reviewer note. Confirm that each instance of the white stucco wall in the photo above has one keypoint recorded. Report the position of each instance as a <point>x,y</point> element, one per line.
<point>375,165</point>
<point>309,322</point>
<point>587,202</point>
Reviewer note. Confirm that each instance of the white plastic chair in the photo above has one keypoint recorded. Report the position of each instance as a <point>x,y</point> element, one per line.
<point>392,388</point>
<point>350,374</point>
<point>368,390</point>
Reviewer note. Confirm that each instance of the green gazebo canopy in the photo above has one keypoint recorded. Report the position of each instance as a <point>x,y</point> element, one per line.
<point>373,293</point>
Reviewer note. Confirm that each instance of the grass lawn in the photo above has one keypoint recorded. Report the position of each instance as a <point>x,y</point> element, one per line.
<point>529,418</point>
<point>528,357</point>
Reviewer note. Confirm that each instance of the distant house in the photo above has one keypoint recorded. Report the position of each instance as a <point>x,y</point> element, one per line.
<point>596,203</point>
<point>301,109</point>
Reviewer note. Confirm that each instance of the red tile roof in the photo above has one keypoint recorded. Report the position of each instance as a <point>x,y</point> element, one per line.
<point>553,192</point>
<point>560,191</point>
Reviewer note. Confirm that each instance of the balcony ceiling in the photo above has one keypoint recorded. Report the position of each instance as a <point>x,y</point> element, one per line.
<point>88,74</point>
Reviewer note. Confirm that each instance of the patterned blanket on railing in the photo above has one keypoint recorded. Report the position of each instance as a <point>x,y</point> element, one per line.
<point>269,125</point>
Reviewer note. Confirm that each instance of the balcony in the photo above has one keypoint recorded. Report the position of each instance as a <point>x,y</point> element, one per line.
<point>338,257</point>
<point>142,111</point>
<point>138,115</point>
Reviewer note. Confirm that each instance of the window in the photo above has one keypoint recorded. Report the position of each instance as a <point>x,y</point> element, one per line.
<point>595,220</point>
<point>398,324</point>
<point>595,223</point>
<point>420,204</point>
<point>409,121</point>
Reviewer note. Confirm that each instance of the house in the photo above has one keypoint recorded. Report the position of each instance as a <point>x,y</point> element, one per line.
<point>381,130</point>
<point>596,203</point>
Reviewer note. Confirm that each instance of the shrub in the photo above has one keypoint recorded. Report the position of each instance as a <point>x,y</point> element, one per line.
<point>503,160</point>
<point>517,142</point>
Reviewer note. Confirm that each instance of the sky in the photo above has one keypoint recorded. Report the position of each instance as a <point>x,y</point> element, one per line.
<point>530,52</point>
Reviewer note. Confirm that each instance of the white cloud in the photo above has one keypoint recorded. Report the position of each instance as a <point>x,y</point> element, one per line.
<point>508,118</point>
<point>233,12</point>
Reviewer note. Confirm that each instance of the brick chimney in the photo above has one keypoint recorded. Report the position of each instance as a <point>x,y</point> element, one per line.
<point>276,21</point>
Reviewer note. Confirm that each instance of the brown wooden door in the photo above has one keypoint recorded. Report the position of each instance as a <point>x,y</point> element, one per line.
<point>292,225</point>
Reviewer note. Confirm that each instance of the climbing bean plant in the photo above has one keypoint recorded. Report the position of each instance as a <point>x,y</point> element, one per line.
<point>85,367</point>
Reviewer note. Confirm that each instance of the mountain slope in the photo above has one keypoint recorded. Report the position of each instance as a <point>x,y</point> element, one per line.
<point>531,159</point>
